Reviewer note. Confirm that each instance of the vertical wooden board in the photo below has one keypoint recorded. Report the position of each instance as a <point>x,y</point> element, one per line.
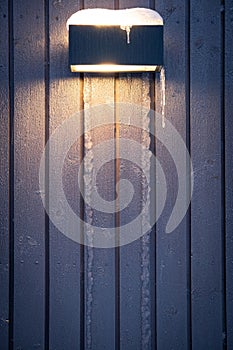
<point>130,91</point>
<point>136,270</point>
<point>64,254</point>
<point>206,211</point>
<point>135,3</point>
<point>172,255</point>
<point>107,4</point>
<point>137,258</point>
<point>29,228</point>
<point>99,263</point>
<point>4,177</point>
<point>229,168</point>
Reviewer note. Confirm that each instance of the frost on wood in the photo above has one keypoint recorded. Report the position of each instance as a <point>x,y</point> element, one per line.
<point>88,186</point>
<point>145,240</point>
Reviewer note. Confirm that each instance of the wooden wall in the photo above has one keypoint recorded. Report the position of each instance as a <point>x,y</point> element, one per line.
<point>163,291</point>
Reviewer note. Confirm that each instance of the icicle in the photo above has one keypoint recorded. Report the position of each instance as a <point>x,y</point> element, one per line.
<point>163,101</point>
<point>127,29</point>
<point>128,34</point>
<point>145,241</point>
<point>88,185</point>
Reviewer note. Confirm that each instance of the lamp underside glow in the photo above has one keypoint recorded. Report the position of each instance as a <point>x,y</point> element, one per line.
<point>111,68</point>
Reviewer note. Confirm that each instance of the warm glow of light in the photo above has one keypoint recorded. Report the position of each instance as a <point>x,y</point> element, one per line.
<point>104,17</point>
<point>111,68</point>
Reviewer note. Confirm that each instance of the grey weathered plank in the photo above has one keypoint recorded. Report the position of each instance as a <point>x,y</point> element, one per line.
<point>99,263</point>
<point>136,262</point>
<point>4,177</point>
<point>98,4</point>
<point>29,220</point>
<point>229,168</point>
<point>135,309</point>
<point>134,3</point>
<point>64,254</point>
<point>64,99</point>
<point>130,91</point>
<point>206,211</point>
<point>172,255</point>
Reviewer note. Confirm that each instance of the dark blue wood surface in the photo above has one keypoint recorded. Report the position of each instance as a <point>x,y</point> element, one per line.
<point>4,177</point>
<point>163,291</point>
<point>207,229</point>
<point>172,250</point>
<point>63,255</point>
<point>228,167</point>
<point>28,299</point>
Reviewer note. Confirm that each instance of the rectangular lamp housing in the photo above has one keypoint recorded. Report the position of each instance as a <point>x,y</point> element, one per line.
<point>105,48</point>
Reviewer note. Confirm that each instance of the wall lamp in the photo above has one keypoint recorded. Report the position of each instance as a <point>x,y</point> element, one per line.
<point>102,40</point>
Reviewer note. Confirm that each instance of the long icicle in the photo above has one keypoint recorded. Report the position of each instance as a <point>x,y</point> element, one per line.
<point>163,91</point>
